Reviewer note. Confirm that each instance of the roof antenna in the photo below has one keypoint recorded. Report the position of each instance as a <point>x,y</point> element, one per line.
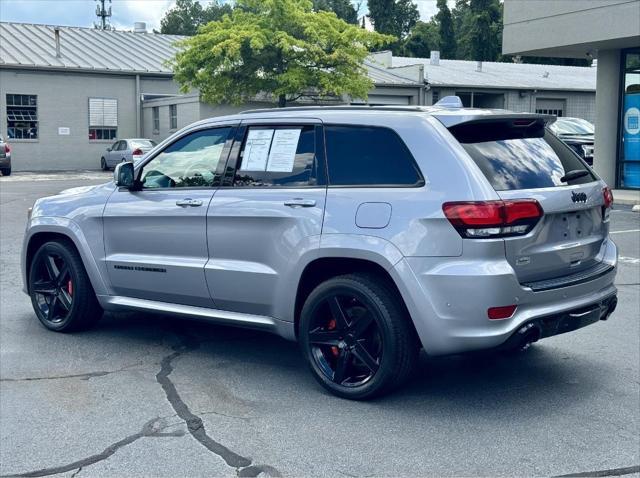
<point>103,13</point>
<point>450,102</point>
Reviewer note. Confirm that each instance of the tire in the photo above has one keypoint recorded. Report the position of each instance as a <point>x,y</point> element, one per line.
<point>61,293</point>
<point>103,164</point>
<point>6,171</point>
<point>376,321</point>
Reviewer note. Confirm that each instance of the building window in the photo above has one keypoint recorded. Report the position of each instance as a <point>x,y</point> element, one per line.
<point>156,119</point>
<point>173,116</point>
<point>22,116</point>
<point>103,119</point>
<point>629,148</point>
<point>544,111</point>
<point>435,96</point>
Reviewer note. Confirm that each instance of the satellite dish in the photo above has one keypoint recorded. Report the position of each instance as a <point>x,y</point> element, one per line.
<point>450,102</point>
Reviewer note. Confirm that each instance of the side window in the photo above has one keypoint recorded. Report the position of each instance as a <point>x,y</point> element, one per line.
<point>122,145</point>
<point>283,156</point>
<point>115,145</point>
<point>369,156</point>
<point>191,161</point>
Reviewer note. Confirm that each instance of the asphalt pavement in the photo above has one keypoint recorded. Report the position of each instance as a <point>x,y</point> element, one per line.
<point>144,395</point>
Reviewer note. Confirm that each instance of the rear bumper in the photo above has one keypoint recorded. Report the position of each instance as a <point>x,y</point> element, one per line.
<point>448,299</point>
<point>5,162</point>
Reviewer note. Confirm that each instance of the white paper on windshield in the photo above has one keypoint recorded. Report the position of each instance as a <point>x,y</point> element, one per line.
<point>256,150</point>
<point>283,150</point>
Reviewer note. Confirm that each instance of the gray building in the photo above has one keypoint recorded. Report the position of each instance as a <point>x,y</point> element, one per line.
<point>608,30</point>
<point>67,93</point>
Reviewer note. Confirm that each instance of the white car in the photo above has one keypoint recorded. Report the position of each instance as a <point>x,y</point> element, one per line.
<point>122,150</point>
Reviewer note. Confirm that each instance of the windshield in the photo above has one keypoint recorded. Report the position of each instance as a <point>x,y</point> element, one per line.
<point>572,126</point>
<point>142,143</point>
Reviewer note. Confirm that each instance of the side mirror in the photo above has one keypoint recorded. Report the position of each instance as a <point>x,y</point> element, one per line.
<point>124,175</point>
<point>109,149</point>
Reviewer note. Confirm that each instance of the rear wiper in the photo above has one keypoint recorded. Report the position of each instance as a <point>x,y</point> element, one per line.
<point>574,174</point>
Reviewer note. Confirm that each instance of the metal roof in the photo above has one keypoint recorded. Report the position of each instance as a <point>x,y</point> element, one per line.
<point>384,76</point>
<point>88,49</point>
<point>462,73</point>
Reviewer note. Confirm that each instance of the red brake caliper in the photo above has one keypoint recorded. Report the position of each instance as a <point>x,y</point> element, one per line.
<point>331,326</point>
<point>70,287</point>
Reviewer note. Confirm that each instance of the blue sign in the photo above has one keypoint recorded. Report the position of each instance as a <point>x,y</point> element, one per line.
<point>631,140</point>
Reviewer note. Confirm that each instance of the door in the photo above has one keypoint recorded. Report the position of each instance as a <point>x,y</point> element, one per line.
<point>266,217</point>
<point>155,237</point>
<point>111,154</point>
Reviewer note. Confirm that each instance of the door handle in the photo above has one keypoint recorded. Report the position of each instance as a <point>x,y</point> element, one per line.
<point>188,202</point>
<point>299,202</point>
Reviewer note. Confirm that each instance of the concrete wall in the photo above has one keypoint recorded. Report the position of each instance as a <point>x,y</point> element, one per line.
<point>569,28</point>
<point>63,101</point>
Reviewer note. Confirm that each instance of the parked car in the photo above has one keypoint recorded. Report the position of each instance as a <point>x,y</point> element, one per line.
<point>5,157</point>
<point>122,150</point>
<point>364,233</point>
<point>578,134</point>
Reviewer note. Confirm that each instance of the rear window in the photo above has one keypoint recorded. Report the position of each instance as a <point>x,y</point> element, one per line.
<point>142,143</point>
<point>369,156</point>
<point>520,158</point>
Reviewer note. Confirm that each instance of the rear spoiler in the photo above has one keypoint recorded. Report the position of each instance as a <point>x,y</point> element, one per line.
<point>496,126</point>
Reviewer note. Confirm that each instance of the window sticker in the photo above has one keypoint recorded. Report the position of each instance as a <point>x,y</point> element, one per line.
<point>283,150</point>
<point>256,150</point>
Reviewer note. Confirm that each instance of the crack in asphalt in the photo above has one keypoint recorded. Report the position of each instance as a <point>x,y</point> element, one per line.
<point>81,376</point>
<point>76,473</point>
<point>195,425</point>
<point>610,472</point>
<point>150,429</point>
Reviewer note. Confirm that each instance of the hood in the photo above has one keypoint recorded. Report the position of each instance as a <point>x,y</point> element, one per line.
<point>576,139</point>
<point>82,189</point>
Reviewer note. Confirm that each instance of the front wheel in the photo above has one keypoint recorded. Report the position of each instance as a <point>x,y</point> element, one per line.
<point>103,164</point>
<point>357,336</point>
<point>60,290</point>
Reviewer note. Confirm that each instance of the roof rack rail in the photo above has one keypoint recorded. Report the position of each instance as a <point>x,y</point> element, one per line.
<point>339,107</point>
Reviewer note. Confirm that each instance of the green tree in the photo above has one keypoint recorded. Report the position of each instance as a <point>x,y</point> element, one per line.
<point>446,31</point>
<point>188,15</point>
<point>277,47</point>
<point>344,9</point>
<point>423,38</point>
<point>393,17</point>
<point>485,30</point>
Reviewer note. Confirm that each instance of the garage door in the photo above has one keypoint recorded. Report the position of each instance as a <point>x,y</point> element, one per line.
<point>549,106</point>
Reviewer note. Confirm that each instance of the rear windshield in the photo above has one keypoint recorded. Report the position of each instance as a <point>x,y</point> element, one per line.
<point>142,143</point>
<point>529,158</point>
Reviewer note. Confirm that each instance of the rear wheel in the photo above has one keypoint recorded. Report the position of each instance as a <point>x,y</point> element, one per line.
<point>6,171</point>
<point>103,164</point>
<point>357,337</point>
<point>60,290</point>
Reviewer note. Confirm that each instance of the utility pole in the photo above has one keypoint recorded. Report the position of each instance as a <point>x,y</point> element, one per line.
<point>103,13</point>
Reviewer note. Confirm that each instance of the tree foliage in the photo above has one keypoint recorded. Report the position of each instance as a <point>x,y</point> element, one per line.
<point>344,9</point>
<point>393,17</point>
<point>423,38</point>
<point>447,35</point>
<point>277,47</point>
<point>188,15</point>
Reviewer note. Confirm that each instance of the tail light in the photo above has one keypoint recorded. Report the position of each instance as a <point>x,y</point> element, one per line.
<point>137,152</point>
<point>608,197</point>
<point>489,219</point>
<point>7,148</point>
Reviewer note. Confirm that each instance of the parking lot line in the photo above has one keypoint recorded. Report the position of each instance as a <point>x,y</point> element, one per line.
<point>627,230</point>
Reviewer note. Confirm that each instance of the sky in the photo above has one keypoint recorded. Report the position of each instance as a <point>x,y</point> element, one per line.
<point>125,12</point>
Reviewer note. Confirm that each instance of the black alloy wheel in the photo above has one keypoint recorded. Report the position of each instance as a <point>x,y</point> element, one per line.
<point>346,343</point>
<point>357,337</point>
<point>61,292</point>
<point>52,288</point>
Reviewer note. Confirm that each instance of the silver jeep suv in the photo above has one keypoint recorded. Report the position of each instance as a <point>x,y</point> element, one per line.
<point>364,233</point>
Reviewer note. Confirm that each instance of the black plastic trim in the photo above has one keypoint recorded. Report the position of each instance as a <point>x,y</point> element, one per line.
<point>572,279</point>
